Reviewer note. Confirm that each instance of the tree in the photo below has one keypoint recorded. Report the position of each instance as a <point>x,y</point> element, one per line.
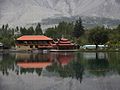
<point>51,32</point>
<point>118,29</point>
<point>7,36</point>
<point>30,31</point>
<point>78,29</point>
<point>114,35</point>
<point>23,31</point>
<point>38,30</point>
<point>98,35</point>
<point>65,29</point>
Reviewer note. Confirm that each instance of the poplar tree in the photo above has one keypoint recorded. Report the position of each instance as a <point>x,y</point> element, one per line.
<point>78,29</point>
<point>38,30</point>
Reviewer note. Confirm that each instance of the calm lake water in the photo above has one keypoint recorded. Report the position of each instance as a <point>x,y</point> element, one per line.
<point>60,71</point>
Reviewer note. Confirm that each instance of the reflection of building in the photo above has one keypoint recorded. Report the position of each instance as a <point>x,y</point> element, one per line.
<point>66,66</point>
<point>33,64</point>
<point>39,61</point>
<point>30,42</point>
<point>62,58</point>
<point>27,62</point>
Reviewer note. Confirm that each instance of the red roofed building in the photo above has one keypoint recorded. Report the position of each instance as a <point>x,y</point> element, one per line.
<point>34,38</point>
<point>64,43</point>
<point>29,42</point>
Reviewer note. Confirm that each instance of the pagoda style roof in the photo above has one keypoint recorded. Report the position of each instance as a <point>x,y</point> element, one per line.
<point>65,42</point>
<point>34,37</point>
<point>64,39</point>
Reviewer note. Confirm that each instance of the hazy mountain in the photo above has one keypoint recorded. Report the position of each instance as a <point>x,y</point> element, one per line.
<point>19,12</point>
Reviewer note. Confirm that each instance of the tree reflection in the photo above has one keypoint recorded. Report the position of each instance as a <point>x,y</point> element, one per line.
<point>66,64</point>
<point>73,69</point>
<point>31,70</point>
<point>114,60</point>
<point>7,63</point>
<point>98,66</point>
<point>30,63</point>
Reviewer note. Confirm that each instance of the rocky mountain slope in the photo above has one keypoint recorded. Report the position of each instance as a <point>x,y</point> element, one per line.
<point>20,12</point>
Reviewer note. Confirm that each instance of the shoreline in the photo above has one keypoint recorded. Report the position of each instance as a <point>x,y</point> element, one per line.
<point>39,51</point>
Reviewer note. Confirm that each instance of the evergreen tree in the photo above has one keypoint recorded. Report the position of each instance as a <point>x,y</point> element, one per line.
<point>17,29</point>
<point>30,31</point>
<point>78,29</point>
<point>23,31</point>
<point>38,30</point>
<point>64,29</point>
<point>3,26</point>
<point>51,32</point>
<point>118,29</point>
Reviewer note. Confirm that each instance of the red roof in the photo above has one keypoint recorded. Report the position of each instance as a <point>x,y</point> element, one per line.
<point>65,42</point>
<point>34,37</point>
<point>64,39</point>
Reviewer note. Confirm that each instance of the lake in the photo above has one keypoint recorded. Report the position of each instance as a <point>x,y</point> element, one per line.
<point>60,71</point>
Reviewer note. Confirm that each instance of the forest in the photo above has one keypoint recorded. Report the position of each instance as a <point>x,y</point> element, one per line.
<point>75,31</point>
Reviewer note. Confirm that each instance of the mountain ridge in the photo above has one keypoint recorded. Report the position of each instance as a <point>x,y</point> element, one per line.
<point>20,12</point>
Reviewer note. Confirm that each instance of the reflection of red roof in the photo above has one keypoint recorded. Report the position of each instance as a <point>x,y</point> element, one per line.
<point>65,59</point>
<point>34,37</point>
<point>33,64</point>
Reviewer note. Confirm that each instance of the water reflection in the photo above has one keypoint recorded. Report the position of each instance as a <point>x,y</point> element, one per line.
<point>62,64</point>
<point>32,63</point>
<point>114,61</point>
<point>6,63</point>
<point>67,65</point>
<point>98,65</point>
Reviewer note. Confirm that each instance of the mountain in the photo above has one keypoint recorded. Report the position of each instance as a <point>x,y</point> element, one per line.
<point>21,12</point>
